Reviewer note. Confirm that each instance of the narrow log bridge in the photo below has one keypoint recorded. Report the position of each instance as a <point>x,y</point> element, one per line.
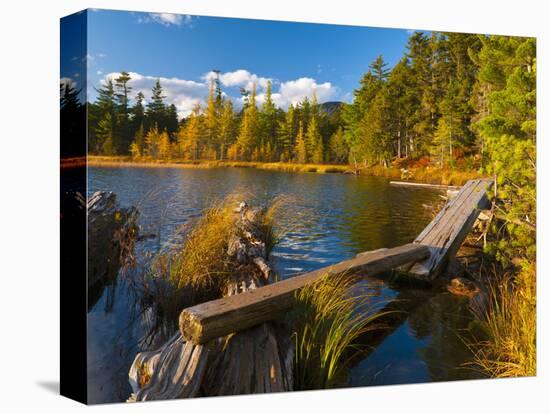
<point>242,319</point>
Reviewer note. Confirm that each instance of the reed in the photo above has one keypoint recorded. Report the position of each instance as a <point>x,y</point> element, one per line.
<point>510,325</point>
<point>328,320</point>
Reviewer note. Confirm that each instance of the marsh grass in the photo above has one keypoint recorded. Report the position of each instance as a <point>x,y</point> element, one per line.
<point>418,173</point>
<point>510,325</point>
<point>199,269</point>
<point>328,320</point>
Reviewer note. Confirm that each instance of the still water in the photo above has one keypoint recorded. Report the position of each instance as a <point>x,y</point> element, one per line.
<point>333,217</point>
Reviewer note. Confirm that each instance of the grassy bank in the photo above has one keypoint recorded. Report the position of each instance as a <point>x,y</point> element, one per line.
<point>510,324</point>
<point>410,171</point>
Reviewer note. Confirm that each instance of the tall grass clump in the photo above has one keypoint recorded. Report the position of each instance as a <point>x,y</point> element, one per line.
<point>200,268</point>
<point>510,324</point>
<point>328,320</point>
<point>203,262</point>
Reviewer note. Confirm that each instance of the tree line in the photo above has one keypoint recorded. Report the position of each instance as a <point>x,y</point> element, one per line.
<point>440,100</point>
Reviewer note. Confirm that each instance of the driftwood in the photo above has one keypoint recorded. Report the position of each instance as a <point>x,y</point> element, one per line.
<point>252,361</point>
<point>111,234</point>
<point>206,321</point>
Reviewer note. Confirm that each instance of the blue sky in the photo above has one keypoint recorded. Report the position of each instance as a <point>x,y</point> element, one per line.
<point>181,50</point>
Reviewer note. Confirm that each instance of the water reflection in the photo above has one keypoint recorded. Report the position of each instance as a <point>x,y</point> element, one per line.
<point>333,217</point>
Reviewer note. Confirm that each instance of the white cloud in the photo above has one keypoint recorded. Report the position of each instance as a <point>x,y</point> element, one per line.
<point>167,19</point>
<point>67,82</point>
<point>186,94</point>
<point>240,78</point>
<point>294,91</point>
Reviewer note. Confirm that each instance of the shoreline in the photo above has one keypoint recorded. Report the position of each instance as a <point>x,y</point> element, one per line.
<point>425,175</point>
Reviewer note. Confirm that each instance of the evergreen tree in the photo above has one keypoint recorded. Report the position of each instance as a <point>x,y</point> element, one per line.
<point>106,126</point>
<point>374,128</point>
<point>171,123</point>
<point>286,134</point>
<point>338,147</point>
<point>226,128</point>
<point>105,133</point>
<point>507,66</point>
<point>300,150</point>
<point>124,133</point>
<point>156,109</point>
<point>138,111</point>
<point>314,139</point>
<point>72,123</point>
<point>211,120</point>
<point>248,134</point>
<point>268,123</point>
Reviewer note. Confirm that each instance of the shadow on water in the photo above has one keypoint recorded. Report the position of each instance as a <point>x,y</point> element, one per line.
<point>334,217</point>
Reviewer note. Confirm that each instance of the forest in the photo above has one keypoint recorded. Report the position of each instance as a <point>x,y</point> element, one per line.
<point>439,103</point>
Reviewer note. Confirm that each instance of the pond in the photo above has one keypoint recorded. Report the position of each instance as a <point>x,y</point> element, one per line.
<point>333,217</point>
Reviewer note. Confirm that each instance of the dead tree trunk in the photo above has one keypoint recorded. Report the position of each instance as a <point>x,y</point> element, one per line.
<point>255,360</point>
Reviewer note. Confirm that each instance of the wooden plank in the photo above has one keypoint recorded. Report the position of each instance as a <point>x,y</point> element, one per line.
<point>424,185</point>
<point>447,231</point>
<point>204,322</point>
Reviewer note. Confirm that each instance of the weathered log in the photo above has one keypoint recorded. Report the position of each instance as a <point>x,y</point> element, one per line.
<point>425,185</point>
<point>447,231</point>
<point>173,371</point>
<point>204,322</point>
<point>253,361</point>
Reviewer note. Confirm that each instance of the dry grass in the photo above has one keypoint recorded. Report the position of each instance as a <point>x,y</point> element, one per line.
<point>510,324</point>
<point>327,321</point>
<point>201,268</point>
<point>423,174</point>
<point>203,261</point>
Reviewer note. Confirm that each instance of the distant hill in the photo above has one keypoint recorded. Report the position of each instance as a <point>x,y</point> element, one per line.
<point>330,107</point>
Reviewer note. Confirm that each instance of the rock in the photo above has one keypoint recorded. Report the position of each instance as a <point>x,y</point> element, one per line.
<point>463,287</point>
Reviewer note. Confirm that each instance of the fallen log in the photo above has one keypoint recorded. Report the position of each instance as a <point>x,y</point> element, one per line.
<point>425,185</point>
<point>448,230</point>
<point>204,322</point>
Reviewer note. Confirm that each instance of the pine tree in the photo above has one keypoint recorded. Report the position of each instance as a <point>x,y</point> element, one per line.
<point>211,120</point>
<point>171,123</point>
<point>314,142</point>
<point>105,129</point>
<point>73,123</point>
<point>156,109</point>
<point>338,147</point>
<point>226,128</point>
<point>137,112</point>
<point>375,130</point>
<point>300,150</point>
<point>507,66</point>
<point>105,134</point>
<point>122,89</point>
<point>268,122</point>
<point>286,134</point>
<point>247,140</point>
